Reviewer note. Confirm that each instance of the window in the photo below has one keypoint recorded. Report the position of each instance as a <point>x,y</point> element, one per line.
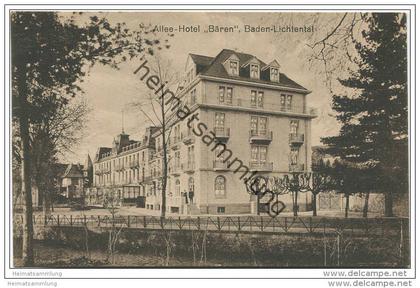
<point>274,74</point>
<point>221,94</point>
<point>229,95</point>
<point>190,156</point>
<point>177,159</point>
<point>254,125</point>
<point>259,125</point>
<point>258,154</point>
<point>294,152</point>
<point>289,102</point>
<point>220,209</point>
<point>191,184</point>
<point>282,102</point>
<point>233,65</point>
<point>193,99</point>
<point>253,98</point>
<point>260,99</point>
<point>262,125</point>
<point>177,188</point>
<point>220,186</point>
<point>294,124</point>
<point>219,120</point>
<point>225,98</point>
<point>255,71</point>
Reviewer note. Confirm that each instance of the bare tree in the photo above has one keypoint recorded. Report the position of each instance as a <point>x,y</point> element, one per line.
<point>160,112</point>
<point>54,134</point>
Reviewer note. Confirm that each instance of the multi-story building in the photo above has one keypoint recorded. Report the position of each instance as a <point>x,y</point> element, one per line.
<point>254,109</point>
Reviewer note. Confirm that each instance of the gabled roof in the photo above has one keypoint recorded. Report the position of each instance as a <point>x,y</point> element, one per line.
<point>73,171</point>
<point>273,63</point>
<point>215,68</point>
<point>250,60</point>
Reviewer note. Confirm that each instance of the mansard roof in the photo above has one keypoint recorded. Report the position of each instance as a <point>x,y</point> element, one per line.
<point>213,66</point>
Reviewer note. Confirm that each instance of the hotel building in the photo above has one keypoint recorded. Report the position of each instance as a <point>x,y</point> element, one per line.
<point>252,107</point>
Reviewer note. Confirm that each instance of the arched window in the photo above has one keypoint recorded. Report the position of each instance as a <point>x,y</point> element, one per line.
<point>191,184</point>
<point>220,186</point>
<point>177,188</point>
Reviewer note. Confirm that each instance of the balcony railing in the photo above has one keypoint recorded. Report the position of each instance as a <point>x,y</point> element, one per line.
<point>277,106</point>
<point>220,165</point>
<point>260,136</point>
<point>296,138</point>
<point>296,167</point>
<point>222,133</point>
<point>261,166</point>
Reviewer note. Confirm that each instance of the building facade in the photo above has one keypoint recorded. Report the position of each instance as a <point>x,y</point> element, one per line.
<point>258,119</point>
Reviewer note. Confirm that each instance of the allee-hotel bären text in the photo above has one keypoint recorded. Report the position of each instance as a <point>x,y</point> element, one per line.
<point>246,28</point>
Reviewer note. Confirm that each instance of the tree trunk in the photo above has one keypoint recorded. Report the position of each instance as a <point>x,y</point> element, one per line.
<point>28,230</point>
<point>346,213</point>
<point>314,211</point>
<point>389,205</point>
<point>366,206</point>
<point>295,205</point>
<point>165,159</point>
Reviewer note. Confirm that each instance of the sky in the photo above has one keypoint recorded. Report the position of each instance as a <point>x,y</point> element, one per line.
<point>108,92</point>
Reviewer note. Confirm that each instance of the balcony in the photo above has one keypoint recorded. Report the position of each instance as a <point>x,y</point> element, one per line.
<point>278,107</point>
<point>261,166</point>
<point>220,165</point>
<point>222,133</point>
<point>262,136</point>
<point>188,138</point>
<point>296,139</point>
<point>188,167</point>
<point>296,167</point>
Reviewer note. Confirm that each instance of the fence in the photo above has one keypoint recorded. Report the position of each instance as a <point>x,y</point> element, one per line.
<point>246,224</point>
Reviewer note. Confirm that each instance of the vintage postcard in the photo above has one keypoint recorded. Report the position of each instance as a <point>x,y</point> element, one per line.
<point>241,137</point>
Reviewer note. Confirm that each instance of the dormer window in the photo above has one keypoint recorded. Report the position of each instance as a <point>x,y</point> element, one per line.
<point>255,71</point>
<point>233,65</point>
<point>274,74</point>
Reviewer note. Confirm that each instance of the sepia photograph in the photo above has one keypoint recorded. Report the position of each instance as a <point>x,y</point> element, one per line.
<point>275,139</point>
